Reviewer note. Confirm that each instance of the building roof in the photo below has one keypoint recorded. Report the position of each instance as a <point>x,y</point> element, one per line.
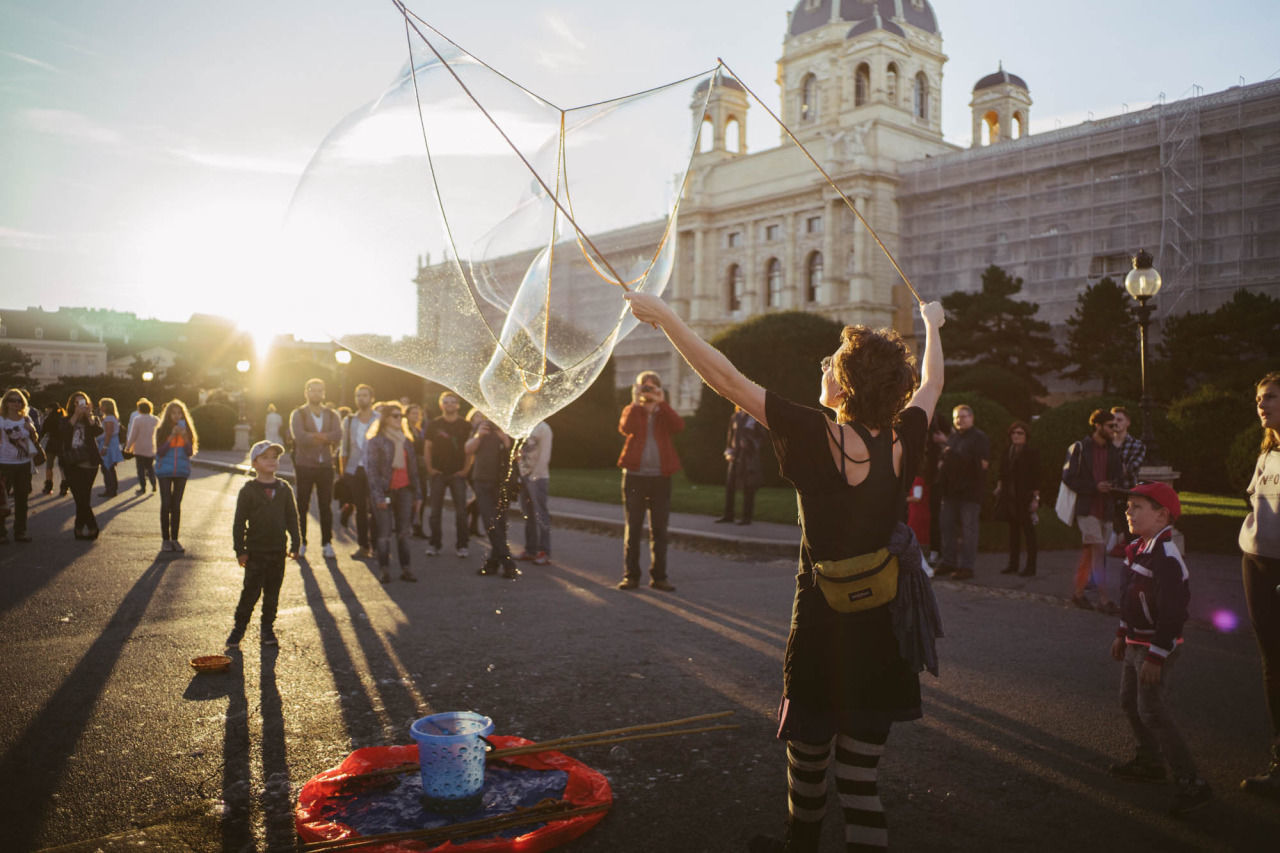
<point>809,16</point>
<point>725,80</point>
<point>999,78</point>
<point>38,324</point>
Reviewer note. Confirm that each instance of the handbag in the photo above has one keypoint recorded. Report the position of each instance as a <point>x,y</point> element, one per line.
<point>858,583</point>
<point>1066,505</point>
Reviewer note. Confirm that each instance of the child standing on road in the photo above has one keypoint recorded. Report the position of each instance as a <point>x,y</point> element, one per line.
<point>1153,608</point>
<point>265,512</point>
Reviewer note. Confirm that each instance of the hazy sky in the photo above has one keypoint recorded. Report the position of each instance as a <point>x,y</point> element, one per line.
<point>149,149</point>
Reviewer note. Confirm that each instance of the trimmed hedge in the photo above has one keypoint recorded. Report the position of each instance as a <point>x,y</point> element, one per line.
<point>998,384</point>
<point>1207,422</point>
<point>215,425</point>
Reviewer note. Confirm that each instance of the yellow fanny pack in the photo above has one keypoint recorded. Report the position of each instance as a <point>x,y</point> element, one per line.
<point>858,583</point>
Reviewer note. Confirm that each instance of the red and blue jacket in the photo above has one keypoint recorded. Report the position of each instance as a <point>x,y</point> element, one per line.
<point>173,459</point>
<point>1155,596</point>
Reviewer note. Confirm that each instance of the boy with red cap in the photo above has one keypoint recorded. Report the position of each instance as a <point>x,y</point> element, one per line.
<point>1153,608</point>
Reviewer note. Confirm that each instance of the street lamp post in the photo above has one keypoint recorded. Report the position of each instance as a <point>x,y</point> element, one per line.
<point>343,357</point>
<point>242,367</point>
<point>1143,283</point>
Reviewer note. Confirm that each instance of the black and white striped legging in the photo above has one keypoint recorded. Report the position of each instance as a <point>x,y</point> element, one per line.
<point>857,757</point>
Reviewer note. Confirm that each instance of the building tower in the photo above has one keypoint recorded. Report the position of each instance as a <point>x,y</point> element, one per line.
<point>720,122</point>
<point>1001,108</point>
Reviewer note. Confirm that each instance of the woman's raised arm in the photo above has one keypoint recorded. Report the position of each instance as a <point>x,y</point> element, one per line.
<point>707,361</point>
<point>926,396</point>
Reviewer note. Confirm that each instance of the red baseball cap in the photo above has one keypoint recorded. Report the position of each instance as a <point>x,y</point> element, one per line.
<point>1162,493</point>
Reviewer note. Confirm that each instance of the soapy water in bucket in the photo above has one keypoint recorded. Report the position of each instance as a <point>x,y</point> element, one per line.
<point>433,228</point>
<point>451,754</point>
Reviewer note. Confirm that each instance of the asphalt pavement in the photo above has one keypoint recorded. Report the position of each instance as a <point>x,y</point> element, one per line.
<point>110,742</point>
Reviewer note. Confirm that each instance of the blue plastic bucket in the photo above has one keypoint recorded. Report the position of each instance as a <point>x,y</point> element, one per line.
<point>451,754</point>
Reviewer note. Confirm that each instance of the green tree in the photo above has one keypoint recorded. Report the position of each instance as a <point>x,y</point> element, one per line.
<point>782,352</point>
<point>991,327</point>
<point>15,368</point>
<point>1231,347</point>
<point>1102,339</point>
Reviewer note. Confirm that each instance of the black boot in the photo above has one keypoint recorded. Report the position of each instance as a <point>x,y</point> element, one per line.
<point>48,487</point>
<point>1266,783</point>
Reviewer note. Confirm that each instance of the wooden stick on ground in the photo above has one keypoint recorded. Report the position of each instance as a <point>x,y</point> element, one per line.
<point>499,754</point>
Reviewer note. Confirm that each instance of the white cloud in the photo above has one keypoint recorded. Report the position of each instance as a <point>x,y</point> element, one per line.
<point>69,124</point>
<point>28,60</point>
<point>14,238</point>
<point>240,163</point>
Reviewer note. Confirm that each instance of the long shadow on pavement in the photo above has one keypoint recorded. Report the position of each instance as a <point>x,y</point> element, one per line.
<point>40,754</point>
<point>277,802</point>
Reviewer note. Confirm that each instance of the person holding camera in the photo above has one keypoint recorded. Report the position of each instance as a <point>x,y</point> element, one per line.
<point>648,460</point>
<point>176,443</point>
<point>80,459</point>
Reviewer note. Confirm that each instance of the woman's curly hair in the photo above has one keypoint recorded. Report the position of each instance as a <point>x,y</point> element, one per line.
<point>877,371</point>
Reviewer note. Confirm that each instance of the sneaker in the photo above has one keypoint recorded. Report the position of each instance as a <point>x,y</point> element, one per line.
<point>1082,602</point>
<point>365,553</point>
<point>523,556</point>
<point>234,638</point>
<point>1191,794</point>
<point>409,576</point>
<point>327,551</point>
<point>302,550</point>
<point>433,551</point>
<point>135,491</point>
<point>175,545</point>
<point>628,583</point>
<point>1138,770</point>
<point>268,636</point>
<point>662,584</point>
<point>1266,783</point>
<point>48,488</point>
<point>542,559</point>
<point>463,552</point>
<point>724,519</point>
<point>167,546</point>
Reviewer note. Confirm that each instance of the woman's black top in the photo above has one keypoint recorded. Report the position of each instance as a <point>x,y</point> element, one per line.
<point>1019,470</point>
<point>845,664</point>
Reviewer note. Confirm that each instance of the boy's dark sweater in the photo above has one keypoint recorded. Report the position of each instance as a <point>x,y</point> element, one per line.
<point>262,522</point>
<point>1155,597</point>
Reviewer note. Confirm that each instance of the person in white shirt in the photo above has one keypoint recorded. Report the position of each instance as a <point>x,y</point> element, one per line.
<point>140,440</point>
<point>355,429</point>
<point>535,474</point>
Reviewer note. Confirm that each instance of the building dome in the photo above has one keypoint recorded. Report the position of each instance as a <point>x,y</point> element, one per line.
<point>725,80</point>
<point>809,15</point>
<point>1000,78</point>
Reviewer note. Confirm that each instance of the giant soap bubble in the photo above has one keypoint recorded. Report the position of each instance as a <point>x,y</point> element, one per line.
<point>492,232</point>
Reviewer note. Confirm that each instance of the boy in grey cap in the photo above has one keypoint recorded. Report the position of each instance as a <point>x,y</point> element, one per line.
<point>265,513</point>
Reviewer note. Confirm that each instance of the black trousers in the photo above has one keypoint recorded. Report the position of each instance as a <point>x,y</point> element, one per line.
<point>1019,527</point>
<point>1261,576</point>
<point>748,501</point>
<point>146,466</point>
<point>171,491</point>
<point>263,576</point>
<point>319,478</point>
<point>82,493</point>
<point>358,492</point>
<point>18,478</point>
<point>457,487</point>
<point>641,496</point>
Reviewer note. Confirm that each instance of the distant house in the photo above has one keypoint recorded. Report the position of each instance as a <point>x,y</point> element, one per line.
<point>58,345</point>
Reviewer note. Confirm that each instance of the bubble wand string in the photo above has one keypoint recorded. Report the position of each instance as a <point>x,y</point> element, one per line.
<point>830,180</point>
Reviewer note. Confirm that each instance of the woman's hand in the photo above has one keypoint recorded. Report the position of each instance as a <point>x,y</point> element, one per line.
<point>648,308</point>
<point>933,314</point>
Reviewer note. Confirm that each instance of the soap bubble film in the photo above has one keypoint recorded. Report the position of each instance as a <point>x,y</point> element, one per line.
<point>464,229</point>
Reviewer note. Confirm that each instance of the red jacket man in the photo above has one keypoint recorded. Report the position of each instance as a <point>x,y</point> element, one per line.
<point>648,460</point>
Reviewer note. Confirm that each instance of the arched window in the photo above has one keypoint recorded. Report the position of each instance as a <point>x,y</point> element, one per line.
<point>861,85</point>
<point>990,128</point>
<point>733,135</point>
<point>813,278</point>
<point>891,83</point>
<point>773,279</point>
<point>809,98</point>
<point>735,289</point>
<point>1019,126</point>
<point>922,96</point>
<point>707,135</point>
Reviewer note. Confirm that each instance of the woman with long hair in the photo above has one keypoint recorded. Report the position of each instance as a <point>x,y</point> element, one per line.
<point>19,441</point>
<point>846,680</point>
<point>176,443</point>
<point>80,459</point>
<point>1260,566</point>
<point>109,447</point>
<point>393,486</point>
<point>1018,497</point>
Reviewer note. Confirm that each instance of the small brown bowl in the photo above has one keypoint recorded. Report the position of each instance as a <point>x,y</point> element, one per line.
<point>211,663</point>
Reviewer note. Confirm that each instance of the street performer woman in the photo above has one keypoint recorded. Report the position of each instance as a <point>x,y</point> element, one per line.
<point>845,677</point>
